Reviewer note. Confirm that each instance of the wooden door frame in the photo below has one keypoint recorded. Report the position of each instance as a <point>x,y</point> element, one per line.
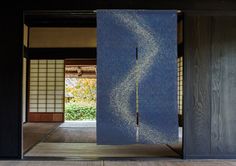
<point>62,53</point>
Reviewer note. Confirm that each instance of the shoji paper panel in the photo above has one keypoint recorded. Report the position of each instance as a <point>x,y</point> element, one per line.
<point>115,87</point>
<point>46,86</point>
<point>158,78</point>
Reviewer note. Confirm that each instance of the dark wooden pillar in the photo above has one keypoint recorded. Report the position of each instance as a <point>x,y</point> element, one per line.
<point>210,85</point>
<point>11,44</point>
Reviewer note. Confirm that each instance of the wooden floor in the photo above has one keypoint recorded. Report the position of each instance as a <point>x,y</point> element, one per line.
<point>122,163</point>
<point>33,133</point>
<point>91,150</point>
<point>72,135</point>
<point>79,141</point>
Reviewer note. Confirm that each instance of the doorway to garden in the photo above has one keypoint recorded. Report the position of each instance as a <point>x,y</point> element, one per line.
<point>80,90</point>
<point>80,103</point>
<point>75,134</point>
<point>79,124</point>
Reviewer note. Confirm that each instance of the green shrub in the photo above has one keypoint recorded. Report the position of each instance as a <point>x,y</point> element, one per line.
<point>77,111</point>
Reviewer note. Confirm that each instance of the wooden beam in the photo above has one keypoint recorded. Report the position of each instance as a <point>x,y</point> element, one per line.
<point>62,53</point>
<point>79,62</point>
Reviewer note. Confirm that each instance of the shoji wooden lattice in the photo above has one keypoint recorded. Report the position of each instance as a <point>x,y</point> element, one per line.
<point>180,85</point>
<point>46,86</point>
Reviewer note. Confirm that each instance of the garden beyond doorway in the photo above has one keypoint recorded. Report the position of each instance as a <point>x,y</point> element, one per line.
<point>80,92</point>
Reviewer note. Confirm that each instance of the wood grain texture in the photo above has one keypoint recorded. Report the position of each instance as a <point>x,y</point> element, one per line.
<point>223,132</point>
<point>197,85</point>
<point>210,89</point>
<point>216,91</point>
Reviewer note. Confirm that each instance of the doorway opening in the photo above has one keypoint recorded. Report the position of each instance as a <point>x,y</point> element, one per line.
<point>80,104</point>
<point>74,133</point>
<point>80,90</point>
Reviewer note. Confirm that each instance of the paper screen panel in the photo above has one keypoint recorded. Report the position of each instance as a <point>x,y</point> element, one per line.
<point>46,82</point>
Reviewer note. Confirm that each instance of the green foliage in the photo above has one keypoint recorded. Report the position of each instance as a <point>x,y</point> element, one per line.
<point>82,106</point>
<point>83,91</point>
<point>80,111</point>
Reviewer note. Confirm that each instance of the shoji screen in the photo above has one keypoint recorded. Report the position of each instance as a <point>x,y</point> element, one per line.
<point>136,77</point>
<point>180,85</point>
<point>46,95</point>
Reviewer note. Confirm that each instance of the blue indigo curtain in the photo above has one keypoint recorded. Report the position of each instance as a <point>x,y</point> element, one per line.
<point>136,77</point>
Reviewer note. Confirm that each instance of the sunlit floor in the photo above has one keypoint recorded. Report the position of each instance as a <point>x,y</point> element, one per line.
<point>92,150</point>
<point>78,139</point>
<point>74,132</point>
